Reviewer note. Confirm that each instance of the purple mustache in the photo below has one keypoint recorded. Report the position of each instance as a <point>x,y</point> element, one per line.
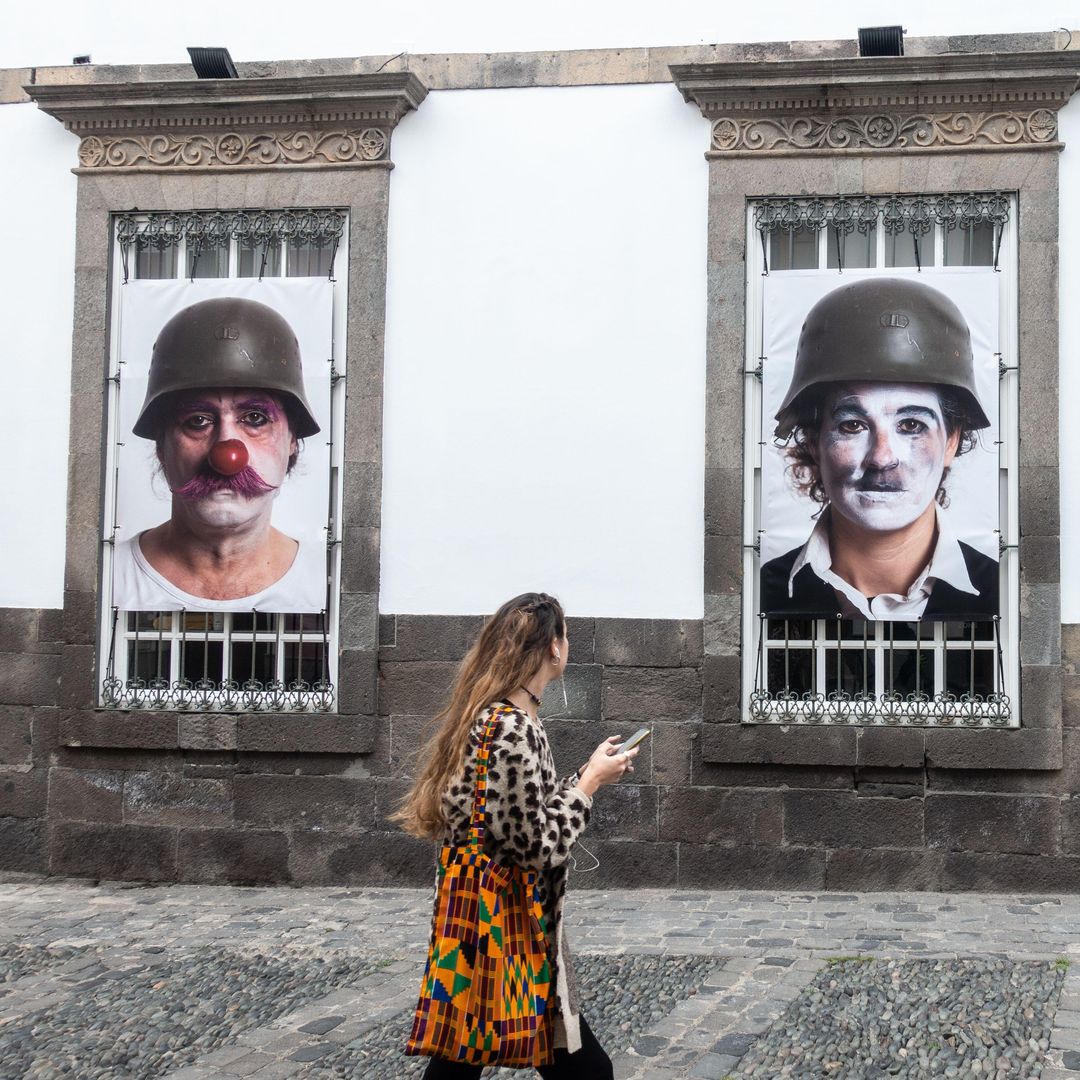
<point>247,483</point>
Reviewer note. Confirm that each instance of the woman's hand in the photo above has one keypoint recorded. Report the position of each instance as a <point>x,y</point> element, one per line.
<point>606,766</point>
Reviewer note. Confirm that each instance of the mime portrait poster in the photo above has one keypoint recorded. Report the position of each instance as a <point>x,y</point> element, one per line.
<point>880,463</point>
<point>222,458</point>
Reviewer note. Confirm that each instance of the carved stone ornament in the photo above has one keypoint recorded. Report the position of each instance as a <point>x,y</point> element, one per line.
<point>325,120</point>
<point>882,131</point>
<point>338,147</point>
<point>970,102</point>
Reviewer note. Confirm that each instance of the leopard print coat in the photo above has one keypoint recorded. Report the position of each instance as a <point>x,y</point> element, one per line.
<point>533,820</point>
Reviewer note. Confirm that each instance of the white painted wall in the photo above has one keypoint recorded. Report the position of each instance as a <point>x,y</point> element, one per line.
<point>545,353</point>
<point>1069,392</point>
<point>37,226</point>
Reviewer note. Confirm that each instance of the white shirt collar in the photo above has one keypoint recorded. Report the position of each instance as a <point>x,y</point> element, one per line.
<point>946,564</point>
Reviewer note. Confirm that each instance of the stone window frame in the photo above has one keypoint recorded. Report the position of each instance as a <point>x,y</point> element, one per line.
<point>116,690</point>
<point>1004,712</point>
<point>315,142</point>
<point>881,126</point>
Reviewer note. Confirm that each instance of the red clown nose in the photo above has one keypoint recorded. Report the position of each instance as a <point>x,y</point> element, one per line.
<point>228,457</point>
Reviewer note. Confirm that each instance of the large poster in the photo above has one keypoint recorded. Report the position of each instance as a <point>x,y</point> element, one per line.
<point>222,463</point>
<point>880,470</point>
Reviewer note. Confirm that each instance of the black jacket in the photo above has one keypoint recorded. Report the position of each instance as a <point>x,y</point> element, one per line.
<point>812,597</point>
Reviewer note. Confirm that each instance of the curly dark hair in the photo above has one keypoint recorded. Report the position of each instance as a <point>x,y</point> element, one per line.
<point>798,445</point>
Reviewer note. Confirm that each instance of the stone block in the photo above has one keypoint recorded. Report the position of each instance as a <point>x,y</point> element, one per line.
<point>362,495</point>
<point>414,688</point>
<point>1040,624</point>
<point>971,871</point>
<point>626,864</point>
<point>831,778</point>
<point>123,730</point>
<point>18,629</point>
<point>358,682</point>
<point>232,857</point>
<point>723,502</point>
<point>671,747</point>
<point>582,634</point>
<point>112,852</point>
<point>29,678</point>
<point>646,695</point>
<point>16,743</point>
<point>773,744</point>
<point>408,735</point>
<point>705,867</point>
<point>722,689</point>
<point>372,858</point>
<point>984,749</point>
<point>359,621</point>
<point>363,423</point>
<point>161,798</point>
<point>648,642</point>
<point>329,802</point>
<point>86,794</point>
<point>573,742</point>
<point>1040,697</point>
<point>432,637</point>
<point>79,619</point>
<point>624,811</point>
<point>306,733</point>
<point>1006,823</point>
<point>863,870</point>
<point>360,559</point>
<point>212,731</point>
<point>22,846</point>
<point>583,694</point>
<point>1070,826</point>
<point>722,627</point>
<point>22,794</point>
<point>1040,559</point>
<point>723,565</point>
<point>700,815</point>
<point>78,685</point>
<point>890,747</point>
<point>836,819</point>
<point>1040,513</point>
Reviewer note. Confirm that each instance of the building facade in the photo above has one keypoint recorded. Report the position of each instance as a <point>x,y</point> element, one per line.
<point>810,748</point>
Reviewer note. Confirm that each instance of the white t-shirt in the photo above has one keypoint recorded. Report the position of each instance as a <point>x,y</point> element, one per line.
<point>137,586</point>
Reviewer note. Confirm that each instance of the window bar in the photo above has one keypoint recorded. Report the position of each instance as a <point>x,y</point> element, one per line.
<point>971,664</point>
<point>918,259</point>
<point>266,252</point>
<point>892,660</point>
<point>918,657</point>
<point>839,665</point>
<point>999,232</point>
<point>761,650</point>
<point>182,686</point>
<point>840,241</point>
<point>197,251</point>
<point>865,655</point>
<point>764,253</point>
<point>787,659</point>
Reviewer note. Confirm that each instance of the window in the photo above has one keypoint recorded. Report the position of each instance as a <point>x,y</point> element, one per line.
<point>812,667</point>
<point>221,660</point>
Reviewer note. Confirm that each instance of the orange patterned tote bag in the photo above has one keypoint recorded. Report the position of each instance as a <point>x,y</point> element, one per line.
<point>484,995</point>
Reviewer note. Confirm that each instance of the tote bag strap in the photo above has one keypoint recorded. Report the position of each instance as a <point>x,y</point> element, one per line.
<point>479,813</point>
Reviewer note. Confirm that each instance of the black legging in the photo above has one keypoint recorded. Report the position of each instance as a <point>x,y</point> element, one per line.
<point>588,1063</point>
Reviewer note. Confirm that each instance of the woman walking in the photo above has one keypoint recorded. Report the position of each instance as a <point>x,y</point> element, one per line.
<point>532,818</point>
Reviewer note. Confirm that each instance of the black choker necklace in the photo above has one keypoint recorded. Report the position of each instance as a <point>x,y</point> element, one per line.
<point>532,697</point>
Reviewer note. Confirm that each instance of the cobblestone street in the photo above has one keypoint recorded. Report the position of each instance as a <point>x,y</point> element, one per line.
<point>117,980</point>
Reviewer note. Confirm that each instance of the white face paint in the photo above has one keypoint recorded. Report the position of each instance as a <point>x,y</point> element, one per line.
<point>882,450</point>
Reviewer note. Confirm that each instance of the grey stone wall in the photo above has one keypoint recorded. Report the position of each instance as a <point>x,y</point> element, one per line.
<point>211,804</point>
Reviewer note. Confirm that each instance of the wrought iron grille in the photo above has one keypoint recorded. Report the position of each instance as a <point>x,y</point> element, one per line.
<point>915,215</point>
<point>206,231</point>
<point>220,662</point>
<point>847,671</point>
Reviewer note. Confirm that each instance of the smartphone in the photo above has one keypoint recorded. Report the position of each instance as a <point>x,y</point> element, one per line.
<point>639,736</point>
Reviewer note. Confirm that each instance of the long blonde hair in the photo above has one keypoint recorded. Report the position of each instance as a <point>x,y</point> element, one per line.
<point>513,645</point>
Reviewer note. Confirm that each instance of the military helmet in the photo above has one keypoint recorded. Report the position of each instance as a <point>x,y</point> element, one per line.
<point>894,330</point>
<point>226,342</point>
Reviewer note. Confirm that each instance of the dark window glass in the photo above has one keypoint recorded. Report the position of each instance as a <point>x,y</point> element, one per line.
<point>900,249</point>
<point>154,262</point>
<point>207,260</point>
<point>973,246</point>
<point>793,249</point>
<point>859,249</point>
<point>250,259</point>
<point>304,259</point>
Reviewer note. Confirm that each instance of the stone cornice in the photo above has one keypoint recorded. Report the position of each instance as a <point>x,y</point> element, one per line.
<point>973,101</point>
<point>340,120</point>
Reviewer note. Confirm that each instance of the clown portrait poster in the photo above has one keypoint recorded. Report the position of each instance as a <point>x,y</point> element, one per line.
<point>880,470</point>
<point>222,457</point>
